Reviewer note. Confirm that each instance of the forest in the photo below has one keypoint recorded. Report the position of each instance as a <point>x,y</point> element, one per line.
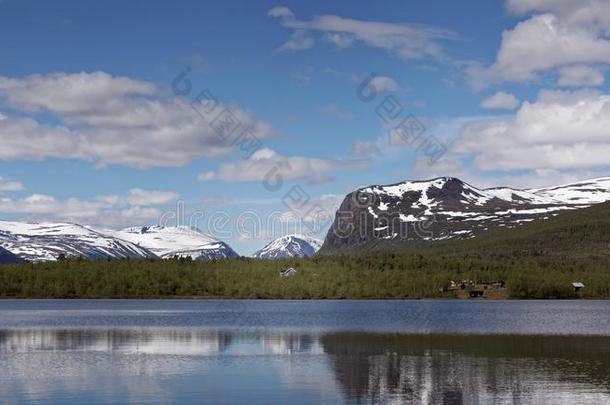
<point>536,260</point>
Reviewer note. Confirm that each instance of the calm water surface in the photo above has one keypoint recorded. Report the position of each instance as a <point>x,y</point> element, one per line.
<point>279,352</point>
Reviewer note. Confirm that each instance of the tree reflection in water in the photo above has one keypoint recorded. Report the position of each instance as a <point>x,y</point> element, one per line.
<point>455,369</point>
<point>358,367</point>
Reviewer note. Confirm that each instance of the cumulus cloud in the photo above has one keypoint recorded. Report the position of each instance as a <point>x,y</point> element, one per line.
<point>560,34</point>
<point>594,13</point>
<point>406,41</point>
<point>501,100</point>
<point>136,207</point>
<point>111,120</point>
<point>82,95</point>
<point>560,130</point>
<point>577,76</point>
<point>267,164</point>
<point>7,184</point>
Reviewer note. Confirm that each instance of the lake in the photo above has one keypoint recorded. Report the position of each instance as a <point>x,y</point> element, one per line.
<point>277,352</point>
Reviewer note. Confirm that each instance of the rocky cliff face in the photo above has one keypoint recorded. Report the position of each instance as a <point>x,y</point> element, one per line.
<point>446,208</point>
<point>7,257</point>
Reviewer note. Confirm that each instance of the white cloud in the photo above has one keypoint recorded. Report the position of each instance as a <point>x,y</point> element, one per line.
<point>281,12</point>
<point>407,41</point>
<point>110,120</point>
<point>268,164</point>
<point>592,13</point>
<point>384,83</point>
<point>137,196</point>
<point>82,95</point>
<point>560,34</point>
<point>298,41</point>
<point>534,178</point>
<point>501,100</point>
<point>560,130</point>
<point>578,76</point>
<point>339,39</point>
<point>7,184</point>
<point>134,208</point>
<point>541,43</point>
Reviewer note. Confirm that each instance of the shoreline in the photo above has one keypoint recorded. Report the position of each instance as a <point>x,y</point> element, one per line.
<point>226,298</point>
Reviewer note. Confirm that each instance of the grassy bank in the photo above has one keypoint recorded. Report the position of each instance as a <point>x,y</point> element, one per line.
<point>538,260</point>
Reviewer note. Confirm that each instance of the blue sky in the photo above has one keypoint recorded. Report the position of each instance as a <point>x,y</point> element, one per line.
<point>92,131</point>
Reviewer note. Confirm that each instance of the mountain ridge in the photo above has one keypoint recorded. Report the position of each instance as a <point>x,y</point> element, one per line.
<point>447,207</point>
<point>48,241</point>
<point>181,241</point>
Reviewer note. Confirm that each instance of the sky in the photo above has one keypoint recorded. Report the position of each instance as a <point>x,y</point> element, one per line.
<point>251,120</point>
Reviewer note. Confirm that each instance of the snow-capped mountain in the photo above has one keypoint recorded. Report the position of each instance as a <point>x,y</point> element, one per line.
<point>47,241</point>
<point>289,246</point>
<point>591,191</point>
<point>168,242</point>
<point>447,207</point>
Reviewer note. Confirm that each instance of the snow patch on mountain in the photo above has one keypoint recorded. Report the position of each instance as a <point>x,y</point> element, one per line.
<point>590,191</point>
<point>168,242</point>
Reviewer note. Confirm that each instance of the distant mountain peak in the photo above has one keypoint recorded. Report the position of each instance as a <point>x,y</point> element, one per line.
<point>289,246</point>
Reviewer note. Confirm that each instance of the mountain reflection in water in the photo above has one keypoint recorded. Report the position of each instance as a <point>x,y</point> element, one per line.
<point>163,365</point>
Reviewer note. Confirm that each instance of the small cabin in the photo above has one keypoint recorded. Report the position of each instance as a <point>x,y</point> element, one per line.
<point>578,286</point>
<point>289,272</point>
<point>476,294</point>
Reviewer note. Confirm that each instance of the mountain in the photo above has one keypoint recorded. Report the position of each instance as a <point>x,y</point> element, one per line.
<point>289,246</point>
<point>47,241</point>
<point>446,208</point>
<point>7,257</point>
<point>182,241</point>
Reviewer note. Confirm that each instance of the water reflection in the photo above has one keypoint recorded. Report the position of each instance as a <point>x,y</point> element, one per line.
<point>184,342</point>
<point>179,342</point>
<point>214,366</point>
<point>460,369</point>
